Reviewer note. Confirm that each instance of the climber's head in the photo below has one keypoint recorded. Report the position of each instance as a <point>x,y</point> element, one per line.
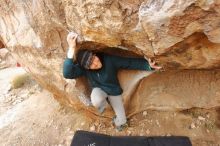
<point>88,60</point>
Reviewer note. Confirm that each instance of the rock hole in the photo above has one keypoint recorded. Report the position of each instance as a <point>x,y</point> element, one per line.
<point>119,51</point>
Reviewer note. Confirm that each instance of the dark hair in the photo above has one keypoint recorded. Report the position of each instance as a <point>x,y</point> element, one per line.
<point>84,58</point>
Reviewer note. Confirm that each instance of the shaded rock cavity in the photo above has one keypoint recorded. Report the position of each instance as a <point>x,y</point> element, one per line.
<point>1,44</point>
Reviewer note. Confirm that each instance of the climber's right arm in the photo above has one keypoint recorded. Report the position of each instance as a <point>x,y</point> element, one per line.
<point>71,70</point>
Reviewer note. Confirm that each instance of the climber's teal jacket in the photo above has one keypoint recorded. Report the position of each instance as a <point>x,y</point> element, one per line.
<point>106,77</point>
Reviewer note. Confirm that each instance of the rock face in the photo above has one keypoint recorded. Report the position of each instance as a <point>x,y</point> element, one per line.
<point>6,59</point>
<point>178,34</point>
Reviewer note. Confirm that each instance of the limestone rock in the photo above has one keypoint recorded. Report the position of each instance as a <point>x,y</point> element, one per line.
<point>145,113</point>
<point>178,34</point>
<point>192,126</point>
<point>6,59</point>
<point>92,128</point>
<point>177,90</point>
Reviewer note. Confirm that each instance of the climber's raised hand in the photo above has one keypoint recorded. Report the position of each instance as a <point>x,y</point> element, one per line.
<point>71,39</point>
<point>152,64</point>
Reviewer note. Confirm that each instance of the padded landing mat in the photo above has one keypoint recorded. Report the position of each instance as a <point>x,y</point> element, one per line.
<point>84,138</point>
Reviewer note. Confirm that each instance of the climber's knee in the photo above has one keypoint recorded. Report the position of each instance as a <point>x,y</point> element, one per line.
<point>97,97</point>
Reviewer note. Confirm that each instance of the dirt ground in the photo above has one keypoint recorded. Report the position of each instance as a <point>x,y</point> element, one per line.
<point>29,115</point>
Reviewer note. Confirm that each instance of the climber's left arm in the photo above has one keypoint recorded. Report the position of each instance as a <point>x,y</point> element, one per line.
<point>133,63</point>
<point>152,64</point>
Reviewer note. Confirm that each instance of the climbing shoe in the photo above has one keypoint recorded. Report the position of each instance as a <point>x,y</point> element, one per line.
<point>121,127</point>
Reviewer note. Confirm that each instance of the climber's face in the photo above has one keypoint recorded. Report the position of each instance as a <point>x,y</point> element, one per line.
<point>96,63</point>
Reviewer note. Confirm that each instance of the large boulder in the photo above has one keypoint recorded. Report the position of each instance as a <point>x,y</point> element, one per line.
<point>178,34</point>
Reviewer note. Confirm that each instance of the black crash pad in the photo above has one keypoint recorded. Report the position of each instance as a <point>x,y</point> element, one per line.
<point>85,138</point>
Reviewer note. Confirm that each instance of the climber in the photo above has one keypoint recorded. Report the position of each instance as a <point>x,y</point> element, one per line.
<point>101,71</point>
